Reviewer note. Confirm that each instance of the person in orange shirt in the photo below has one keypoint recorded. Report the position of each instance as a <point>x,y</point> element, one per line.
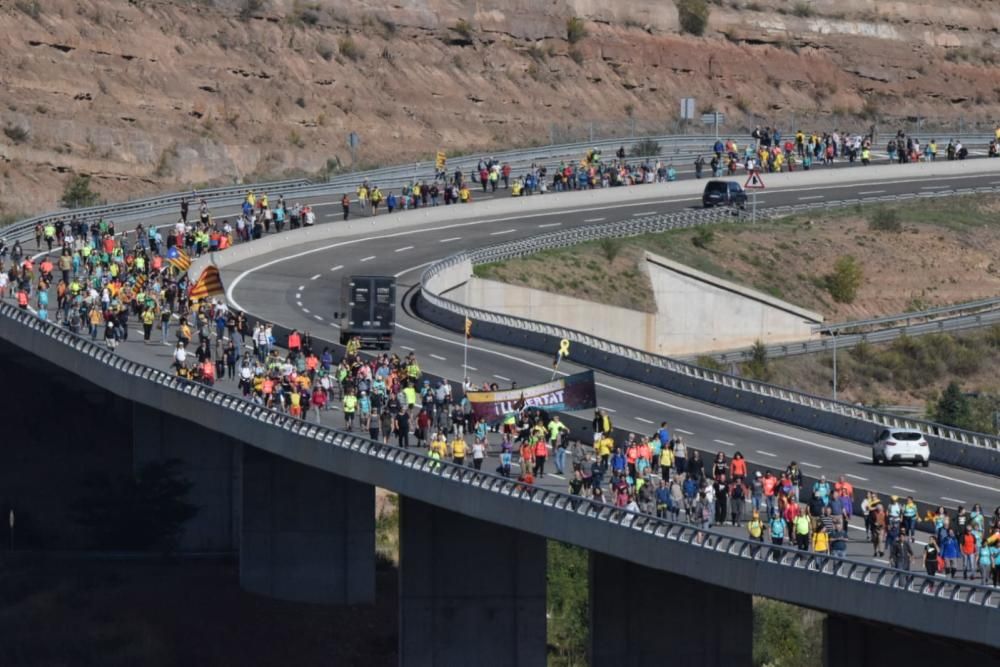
<point>846,490</point>
<point>770,482</point>
<point>738,467</point>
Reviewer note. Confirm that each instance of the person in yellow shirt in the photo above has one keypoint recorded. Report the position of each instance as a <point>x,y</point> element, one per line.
<point>458,450</point>
<point>604,447</point>
<point>363,197</point>
<point>438,448</point>
<point>666,461</point>
<point>465,195</point>
<point>350,407</point>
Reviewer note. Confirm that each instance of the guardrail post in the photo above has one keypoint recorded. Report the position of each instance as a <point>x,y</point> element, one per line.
<point>695,623</point>
<point>470,592</point>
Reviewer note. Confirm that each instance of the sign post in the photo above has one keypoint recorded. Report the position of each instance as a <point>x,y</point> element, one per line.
<point>753,184</point>
<point>714,118</point>
<point>353,141</point>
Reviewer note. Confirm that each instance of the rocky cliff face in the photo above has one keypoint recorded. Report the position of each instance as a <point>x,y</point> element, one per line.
<point>150,94</point>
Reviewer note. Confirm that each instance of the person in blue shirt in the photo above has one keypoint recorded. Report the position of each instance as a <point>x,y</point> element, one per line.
<point>950,552</point>
<point>618,461</point>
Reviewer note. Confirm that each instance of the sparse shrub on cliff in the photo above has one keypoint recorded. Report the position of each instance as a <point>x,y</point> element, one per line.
<point>803,9</point>
<point>349,49</point>
<point>464,29</point>
<point>845,280</point>
<point>16,133</point>
<point>693,16</point>
<point>576,56</point>
<point>77,193</point>
<point>885,220</point>
<point>576,29</point>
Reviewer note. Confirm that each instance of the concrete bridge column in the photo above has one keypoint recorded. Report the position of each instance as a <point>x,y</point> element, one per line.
<point>858,643</point>
<point>209,460</point>
<point>307,535</point>
<point>640,616</point>
<point>471,593</point>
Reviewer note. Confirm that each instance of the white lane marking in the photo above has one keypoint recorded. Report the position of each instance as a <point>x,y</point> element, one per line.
<point>298,303</point>
<point>407,347</point>
<point>556,475</point>
<point>903,488</point>
<point>679,408</point>
<point>725,442</point>
<point>595,219</point>
<point>732,422</point>
<point>449,240</point>
<point>316,277</point>
<point>953,500</point>
<point>439,358</point>
<point>500,377</point>
<point>771,454</point>
<point>811,197</point>
<point>680,430</point>
<point>305,310</point>
<point>404,248</point>
<point>337,268</point>
<point>872,192</point>
<point>809,465</point>
<point>639,215</point>
<point>318,318</point>
<point>880,560</point>
<point>601,407</point>
<point>505,231</point>
<point>414,268</point>
<point>934,187</point>
<point>550,224</point>
<point>298,295</point>
<point>367,259</point>
<point>301,287</point>
<point>922,471</point>
<point>643,420</point>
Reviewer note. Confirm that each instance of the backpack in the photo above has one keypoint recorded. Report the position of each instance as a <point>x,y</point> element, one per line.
<point>738,491</point>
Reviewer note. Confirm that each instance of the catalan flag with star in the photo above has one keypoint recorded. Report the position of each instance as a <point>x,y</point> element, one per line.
<point>177,258</point>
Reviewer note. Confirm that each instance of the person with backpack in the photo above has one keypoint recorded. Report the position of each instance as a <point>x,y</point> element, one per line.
<point>755,527</point>
<point>737,500</point>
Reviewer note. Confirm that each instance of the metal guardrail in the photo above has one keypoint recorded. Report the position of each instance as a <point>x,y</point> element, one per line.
<point>910,583</point>
<point>667,222</point>
<point>947,311</point>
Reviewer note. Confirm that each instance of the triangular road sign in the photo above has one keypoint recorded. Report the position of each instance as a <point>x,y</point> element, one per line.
<point>754,182</point>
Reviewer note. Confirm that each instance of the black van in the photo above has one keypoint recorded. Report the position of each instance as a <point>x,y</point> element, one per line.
<point>723,193</point>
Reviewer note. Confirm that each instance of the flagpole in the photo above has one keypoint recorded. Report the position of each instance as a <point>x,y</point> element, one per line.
<point>465,360</point>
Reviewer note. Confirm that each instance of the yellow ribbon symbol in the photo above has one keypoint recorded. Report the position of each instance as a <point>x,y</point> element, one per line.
<point>564,348</point>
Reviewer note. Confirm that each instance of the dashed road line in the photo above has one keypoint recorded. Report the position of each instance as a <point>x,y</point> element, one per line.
<point>298,303</point>
<point>872,192</point>
<point>500,377</point>
<point>809,465</point>
<point>305,310</point>
<point>301,287</point>
<point>644,420</point>
<point>811,197</point>
<point>725,442</point>
<point>595,219</point>
<point>404,248</point>
<point>934,187</point>
<point>606,409</point>
<point>438,357</point>
<point>318,318</point>
<point>337,268</point>
<point>858,477</point>
<point>367,259</point>
<point>316,277</point>
<point>550,224</point>
<point>771,454</point>
<point>903,488</point>
<point>407,347</point>
<point>680,430</point>
<point>953,500</point>
<point>505,231</point>
<point>298,295</point>
<point>448,240</point>
<point>468,367</point>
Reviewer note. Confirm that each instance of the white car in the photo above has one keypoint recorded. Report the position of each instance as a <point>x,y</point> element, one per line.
<point>899,445</point>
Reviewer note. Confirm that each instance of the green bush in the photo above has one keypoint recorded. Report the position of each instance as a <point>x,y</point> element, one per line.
<point>693,16</point>
<point>885,220</point>
<point>349,49</point>
<point>758,367</point>
<point>846,279</point>
<point>803,9</point>
<point>576,29</point>
<point>16,133</point>
<point>610,248</point>
<point>464,29</point>
<point>952,408</point>
<point>77,193</point>
<point>785,635</point>
<point>703,237</point>
<point>567,604</point>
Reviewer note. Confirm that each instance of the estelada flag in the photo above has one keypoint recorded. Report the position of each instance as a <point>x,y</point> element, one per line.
<point>178,259</point>
<point>209,284</point>
<point>468,328</point>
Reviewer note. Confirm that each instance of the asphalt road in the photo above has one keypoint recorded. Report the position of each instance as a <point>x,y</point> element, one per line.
<point>300,288</point>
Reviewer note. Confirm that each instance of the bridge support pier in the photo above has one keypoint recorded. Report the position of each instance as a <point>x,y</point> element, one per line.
<point>640,616</point>
<point>850,641</point>
<point>470,592</point>
<point>307,535</point>
<point>209,460</point>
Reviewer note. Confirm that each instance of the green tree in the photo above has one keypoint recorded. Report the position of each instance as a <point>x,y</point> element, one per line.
<point>77,193</point>
<point>693,16</point>
<point>845,280</point>
<point>758,367</point>
<point>568,602</point>
<point>785,635</point>
<point>953,407</point>
<point>137,513</point>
